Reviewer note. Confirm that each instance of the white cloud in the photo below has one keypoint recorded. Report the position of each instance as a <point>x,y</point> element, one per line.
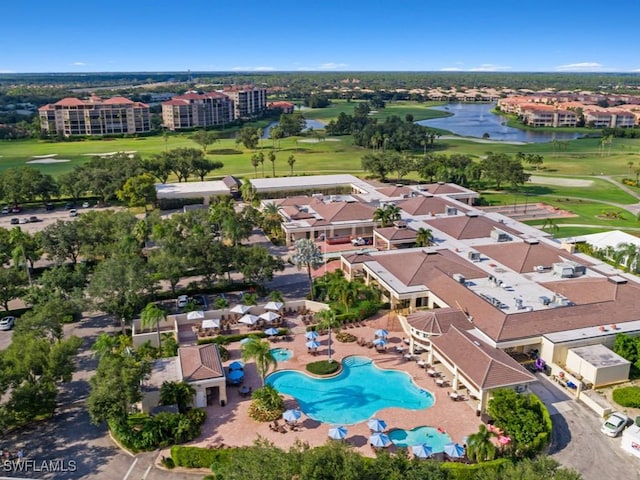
<point>636,70</point>
<point>451,69</point>
<point>79,64</point>
<point>331,66</point>
<point>582,66</point>
<point>253,69</point>
<point>7,71</point>
<point>489,67</point>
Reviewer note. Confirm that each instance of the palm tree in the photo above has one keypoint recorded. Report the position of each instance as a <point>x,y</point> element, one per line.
<point>151,317</point>
<point>328,321</point>
<point>272,159</point>
<point>19,242</point>
<point>141,232</point>
<point>344,290</point>
<point>291,161</point>
<point>260,352</point>
<point>261,161</point>
<point>479,445</point>
<point>271,218</point>
<point>177,393</point>
<point>255,161</point>
<point>550,224</point>
<point>627,254</point>
<point>424,237</point>
<point>307,256</point>
<point>276,296</point>
<point>387,214</point>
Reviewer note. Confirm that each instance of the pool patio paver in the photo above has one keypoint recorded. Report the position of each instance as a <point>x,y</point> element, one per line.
<point>231,425</point>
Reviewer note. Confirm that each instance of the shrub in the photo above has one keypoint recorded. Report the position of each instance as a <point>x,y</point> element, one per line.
<point>168,462</point>
<point>197,457</point>
<point>345,337</point>
<point>323,367</point>
<point>461,471</point>
<point>224,353</point>
<point>627,397</point>
<point>266,404</point>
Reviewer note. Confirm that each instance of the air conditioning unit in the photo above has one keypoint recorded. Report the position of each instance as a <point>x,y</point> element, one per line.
<point>474,256</point>
<point>452,211</point>
<point>458,277</point>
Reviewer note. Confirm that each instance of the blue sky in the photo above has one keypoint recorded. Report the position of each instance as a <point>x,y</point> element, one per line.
<point>329,35</point>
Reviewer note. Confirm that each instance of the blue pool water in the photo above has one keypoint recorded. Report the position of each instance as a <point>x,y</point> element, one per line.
<point>281,354</point>
<point>419,435</point>
<point>353,396</point>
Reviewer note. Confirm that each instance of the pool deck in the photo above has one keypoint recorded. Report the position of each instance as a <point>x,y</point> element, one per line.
<point>231,425</point>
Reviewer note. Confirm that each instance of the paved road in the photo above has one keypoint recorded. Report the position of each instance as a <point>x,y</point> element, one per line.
<point>577,440</point>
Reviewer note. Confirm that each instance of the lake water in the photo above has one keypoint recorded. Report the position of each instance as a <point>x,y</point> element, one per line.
<point>476,119</point>
<point>315,124</point>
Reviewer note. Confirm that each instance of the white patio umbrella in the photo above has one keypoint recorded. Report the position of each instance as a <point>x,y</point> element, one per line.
<point>292,415</point>
<point>246,340</point>
<point>377,425</point>
<point>380,342</point>
<point>379,440</point>
<point>195,315</point>
<point>338,433</point>
<point>241,309</point>
<point>311,335</point>
<point>381,332</point>
<point>421,451</point>
<point>454,450</point>
<point>271,331</point>
<point>249,319</point>
<point>312,344</point>
<point>269,316</point>
<point>213,323</point>
<point>275,306</point>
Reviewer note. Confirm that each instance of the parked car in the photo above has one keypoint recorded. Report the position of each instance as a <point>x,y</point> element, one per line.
<point>85,205</point>
<point>24,220</point>
<point>358,241</point>
<point>614,424</point>
<point>69,205</point>
<point>7,323</point>
<point>49,206</point>
<point>182,301</point>
<point>5,210</point>
<point>73,212</point>
<point>33,219</point>
<point>15,221</point>
<point>200,300</point>
<point>16,209</point>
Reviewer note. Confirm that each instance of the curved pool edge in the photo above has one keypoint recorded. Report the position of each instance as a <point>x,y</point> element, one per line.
<point>341,371</point>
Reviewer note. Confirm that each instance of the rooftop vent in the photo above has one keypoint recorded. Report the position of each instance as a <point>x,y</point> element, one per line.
<point>474,256</point>
<point>404,195</point>
<point>500,236</point>
<point>440,183</point>
<point>458,277</point>
<point>452,211</point>
<point>617,279</point>
<point>531,241</point>
<point>400,224</point>
<point>472,214</point>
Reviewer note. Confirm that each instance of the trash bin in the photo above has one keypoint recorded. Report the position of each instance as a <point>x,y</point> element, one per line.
<point>223,403</point>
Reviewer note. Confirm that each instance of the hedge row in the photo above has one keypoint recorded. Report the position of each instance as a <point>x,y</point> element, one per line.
<point>627,397</point>
<point>462,471</point>
<point>227,339</point>
<point>197,457</point>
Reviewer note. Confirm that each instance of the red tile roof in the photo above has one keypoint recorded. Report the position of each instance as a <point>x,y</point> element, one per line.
<point>117,101</point>
<point>438,320</point>
<point>394,233</point>
<point>69,102</point>
<point>200,362</point>
<point>423,205</point>
<point>467,227</point>
<point>485,366</point>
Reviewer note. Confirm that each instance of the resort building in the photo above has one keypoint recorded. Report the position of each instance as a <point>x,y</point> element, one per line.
<point>609,118</point>
<point>285,107</point>
<point>197,110</point>
<point>248,101</point>
<point>547,116</point>
<point>95,116</point>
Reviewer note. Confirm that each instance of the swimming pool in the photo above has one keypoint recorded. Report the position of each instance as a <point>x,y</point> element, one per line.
<point>281,354</point>
<point>356,394</point>
<point>419,435</point>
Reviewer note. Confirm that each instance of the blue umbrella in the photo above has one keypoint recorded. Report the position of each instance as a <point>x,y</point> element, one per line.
<point>311,335</point>
<point>312,344</point>
<point>237,365</point>
<point>292,415</point>
<point>235,375</point>
<point>338,433</point>
<point>454,450</point>
<point>271,331</point>
<point>381,332</point>
<point>421,451</point>
<point>377,425</point>
<point>379,440</point>
<point>380,341</point>
<point>246,340</point>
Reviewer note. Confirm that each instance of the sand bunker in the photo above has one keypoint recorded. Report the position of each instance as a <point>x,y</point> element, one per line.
<point>316,140</point>
<point>49,160</point>
<point>564,182</point>
<point>45,156</point>
<point>108,154</point>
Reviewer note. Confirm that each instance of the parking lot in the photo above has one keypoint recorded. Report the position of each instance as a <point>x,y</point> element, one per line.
<point>44,217</point>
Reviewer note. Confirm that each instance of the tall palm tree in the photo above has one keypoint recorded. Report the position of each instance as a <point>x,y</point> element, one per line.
<point>480,448</point>
<point>272,158</point>
<point>271,218</point>
<point>550,226</point>
<point>627,254</point>
<point>424,237</point>
<point>260,352</point>
<point>291,162</point>
<point>255,161</point>
<point>307,256</point>
<point>387,214</point>
<point>151,317</point>
<point>23,250</point>
<point>328,320</point>
<point>261,161</point>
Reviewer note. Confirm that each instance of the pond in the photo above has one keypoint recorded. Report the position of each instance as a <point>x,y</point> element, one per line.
<point>476,119</point>
<point>315,124</point>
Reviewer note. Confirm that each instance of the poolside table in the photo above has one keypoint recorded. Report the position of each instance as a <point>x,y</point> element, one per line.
<point>432,373</point>
<point>441,382</point>
<point>421,363</point>
<point>408,356</point>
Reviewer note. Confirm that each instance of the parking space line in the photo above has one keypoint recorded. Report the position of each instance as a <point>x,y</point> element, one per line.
<point>144,477</point>
<point>130,469</point>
